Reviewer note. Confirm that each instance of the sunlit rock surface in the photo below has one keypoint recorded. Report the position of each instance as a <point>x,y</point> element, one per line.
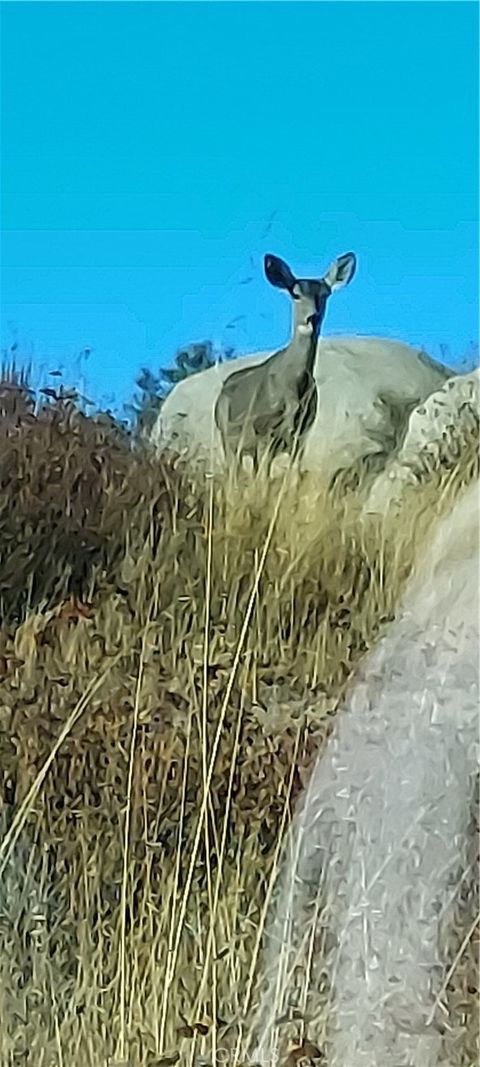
<point>383,833</point>
<point>366,389</point>
<point>438,430</point>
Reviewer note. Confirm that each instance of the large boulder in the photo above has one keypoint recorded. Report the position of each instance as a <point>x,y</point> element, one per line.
<point>438,431</point>
<point>377,884</point>
<point>367,388</point>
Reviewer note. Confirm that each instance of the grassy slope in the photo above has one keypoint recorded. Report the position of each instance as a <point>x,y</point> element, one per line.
<point>153,741</point>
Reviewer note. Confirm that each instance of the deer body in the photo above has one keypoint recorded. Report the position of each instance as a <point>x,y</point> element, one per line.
<point>268,409</point>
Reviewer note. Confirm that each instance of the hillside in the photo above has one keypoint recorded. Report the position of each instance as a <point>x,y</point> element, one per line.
<point>172,655</point>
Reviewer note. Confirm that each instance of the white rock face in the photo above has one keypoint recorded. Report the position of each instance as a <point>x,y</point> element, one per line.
<point>366,385</point>
<point>437,431</point>
<point>382,836</point>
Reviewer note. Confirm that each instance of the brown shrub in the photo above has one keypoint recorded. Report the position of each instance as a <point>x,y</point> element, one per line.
<point>72,490</point>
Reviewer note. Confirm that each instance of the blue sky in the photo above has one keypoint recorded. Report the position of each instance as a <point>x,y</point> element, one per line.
<point>153,152</point>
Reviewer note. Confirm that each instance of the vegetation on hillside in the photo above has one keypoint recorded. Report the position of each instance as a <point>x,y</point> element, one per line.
<point>172,653</point>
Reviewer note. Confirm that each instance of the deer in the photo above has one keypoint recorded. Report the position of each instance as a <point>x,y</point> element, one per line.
<point>267,409</point>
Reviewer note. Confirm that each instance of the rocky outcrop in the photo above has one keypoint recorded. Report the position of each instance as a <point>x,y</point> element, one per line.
<point>438,431</point>
<point>378,875</point>
<point>367,387</point>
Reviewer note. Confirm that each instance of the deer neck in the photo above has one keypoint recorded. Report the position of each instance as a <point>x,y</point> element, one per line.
<point>299,357</point>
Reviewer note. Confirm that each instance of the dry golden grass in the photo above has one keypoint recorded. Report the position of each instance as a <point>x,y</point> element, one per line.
<point>153,742</point>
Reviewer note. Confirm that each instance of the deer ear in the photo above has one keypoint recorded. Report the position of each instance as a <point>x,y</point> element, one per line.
<point>278,273</point>
<point>341,271</point>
